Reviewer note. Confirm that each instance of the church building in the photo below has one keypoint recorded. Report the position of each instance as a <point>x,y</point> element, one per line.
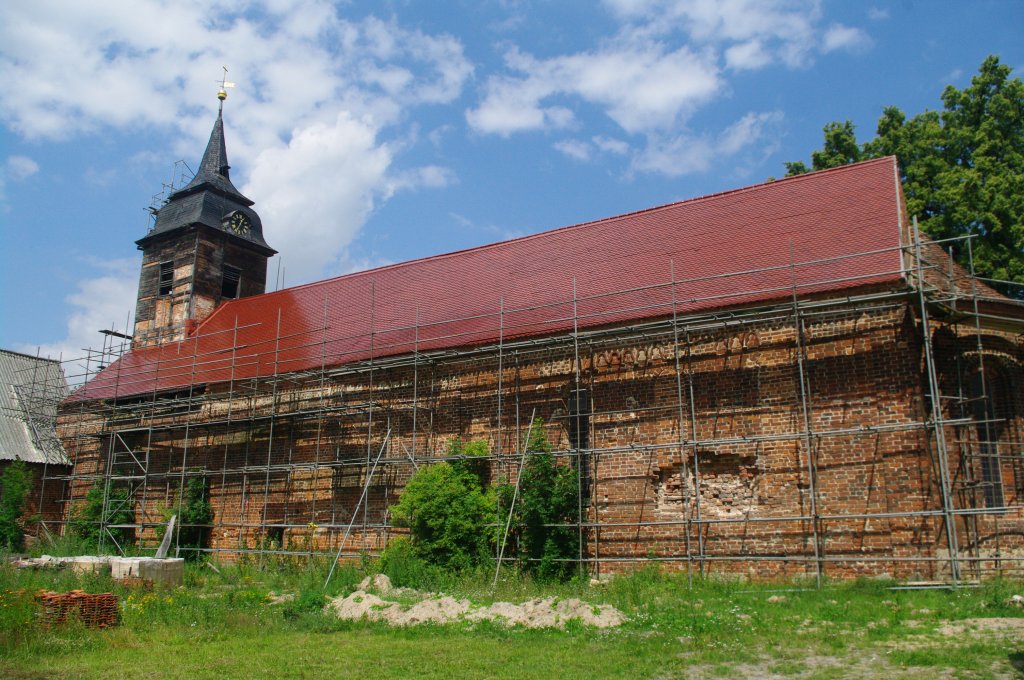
<point>781,380</point>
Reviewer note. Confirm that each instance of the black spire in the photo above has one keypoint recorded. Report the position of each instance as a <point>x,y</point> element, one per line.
<point>214,169</point>
<point>210,198</point>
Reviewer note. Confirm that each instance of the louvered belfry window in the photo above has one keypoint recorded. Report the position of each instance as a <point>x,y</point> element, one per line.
<point>166,278</point>
<point>230,283</point>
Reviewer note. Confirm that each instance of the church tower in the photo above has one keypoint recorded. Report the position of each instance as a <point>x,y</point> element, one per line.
<point>205,247</point>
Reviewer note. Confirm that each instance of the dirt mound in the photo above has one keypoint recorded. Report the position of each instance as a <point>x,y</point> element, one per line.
<point>550,612</point>
<point>381,584</point>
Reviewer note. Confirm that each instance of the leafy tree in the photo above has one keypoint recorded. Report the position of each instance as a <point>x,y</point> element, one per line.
<point>840,148</point>
<point>962,169</point>
<point>545,512</point>
<point>14,487</point>
<point>448,507</point>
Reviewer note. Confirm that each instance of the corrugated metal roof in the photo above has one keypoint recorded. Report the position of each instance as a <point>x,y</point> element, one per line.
<point>30,389</point>
<point>823,231</point>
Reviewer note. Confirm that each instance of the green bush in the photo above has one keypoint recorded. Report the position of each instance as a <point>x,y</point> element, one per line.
<point>14,487</point>
<point>194,513</point>
<point>308,601</point>
<point>447,508</point>
<point>474,459</point>
<point>88,518</point>
<point>548,495</point>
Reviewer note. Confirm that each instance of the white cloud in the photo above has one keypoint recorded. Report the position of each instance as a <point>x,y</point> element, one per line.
<point>839,37</point>
<point>316,192</point>
<point>747,55</point>
<point>429,176</point>
<point>647,90</point>
<point>639,85</point>
<point>746,131</point>
<point>83,66</point>
<point>674,156</point>
<point>103,301</point>
<point>513,105</point>
<point>582,150</point>
<point>574,148</point>
<point>878,13</point>
<point>682,154</point>
<point>610,145</point>
<point>783,29</point>
<point>15,169</point>
<point>21,167</point>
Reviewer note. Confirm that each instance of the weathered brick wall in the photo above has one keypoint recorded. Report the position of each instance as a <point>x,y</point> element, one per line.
<point>980,375</point>
<point>699,457</point>
<point>199,258</point>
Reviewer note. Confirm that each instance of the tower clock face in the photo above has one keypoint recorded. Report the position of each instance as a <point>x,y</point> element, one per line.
<point>239,223</point>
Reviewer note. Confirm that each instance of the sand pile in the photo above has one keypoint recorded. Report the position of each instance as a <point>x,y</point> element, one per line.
<point>368,602</point>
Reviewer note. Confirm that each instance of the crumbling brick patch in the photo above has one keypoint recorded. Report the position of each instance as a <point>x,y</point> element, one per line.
<point>728,485</point>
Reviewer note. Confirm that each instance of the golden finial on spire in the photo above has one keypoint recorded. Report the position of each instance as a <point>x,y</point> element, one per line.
<point>222,94</point>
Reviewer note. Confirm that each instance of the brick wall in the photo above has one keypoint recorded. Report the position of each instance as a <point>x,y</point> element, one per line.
<point>707,455</point>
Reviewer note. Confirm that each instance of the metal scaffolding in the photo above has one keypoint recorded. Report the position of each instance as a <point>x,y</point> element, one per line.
<point>307,462</point>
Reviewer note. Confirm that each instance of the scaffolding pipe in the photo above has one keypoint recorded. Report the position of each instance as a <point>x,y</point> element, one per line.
<point>355,511</point>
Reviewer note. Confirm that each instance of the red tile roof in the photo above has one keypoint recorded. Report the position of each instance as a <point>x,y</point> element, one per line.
<point>849,216</point>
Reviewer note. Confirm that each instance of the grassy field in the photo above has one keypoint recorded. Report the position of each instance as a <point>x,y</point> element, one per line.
<point>224,625</point>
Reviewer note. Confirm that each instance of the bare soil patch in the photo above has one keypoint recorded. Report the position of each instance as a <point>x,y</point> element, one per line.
<point>1003,627</point>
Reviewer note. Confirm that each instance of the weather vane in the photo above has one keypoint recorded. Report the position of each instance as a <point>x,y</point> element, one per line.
<point>222,94</point>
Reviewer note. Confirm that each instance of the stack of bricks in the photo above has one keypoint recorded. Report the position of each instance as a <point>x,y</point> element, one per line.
<point>94,610</point>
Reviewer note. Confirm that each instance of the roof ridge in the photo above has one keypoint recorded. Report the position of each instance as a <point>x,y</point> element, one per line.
<point>29,356</point>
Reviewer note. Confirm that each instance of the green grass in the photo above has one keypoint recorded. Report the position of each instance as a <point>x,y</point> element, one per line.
<point>222,626</point>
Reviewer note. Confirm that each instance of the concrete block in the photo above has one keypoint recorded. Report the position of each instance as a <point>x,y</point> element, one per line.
<point>124,567</point>
<point>89,564</point>
<point>168,571</point>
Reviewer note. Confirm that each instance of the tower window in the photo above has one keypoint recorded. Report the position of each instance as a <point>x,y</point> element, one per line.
<point>166,278</point>
<point>230,284</point>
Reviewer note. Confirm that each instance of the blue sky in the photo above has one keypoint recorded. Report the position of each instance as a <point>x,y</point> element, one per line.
<point>376,132</point>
